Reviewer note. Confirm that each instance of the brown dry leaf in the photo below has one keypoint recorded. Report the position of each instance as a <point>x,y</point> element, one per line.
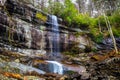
<point>99,57</point>
<point>63,77</point>
<point>112,53</point>
<point>13,75</point>
<point>25,78</point>
<point>32,78</point>
<point>39,61</point>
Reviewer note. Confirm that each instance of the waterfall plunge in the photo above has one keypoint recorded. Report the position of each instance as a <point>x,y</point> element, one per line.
<point>55,67</point>
<point>55,48</point>
<point>55,36</point>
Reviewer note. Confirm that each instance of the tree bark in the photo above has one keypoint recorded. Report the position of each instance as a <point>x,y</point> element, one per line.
<point>111,33</point>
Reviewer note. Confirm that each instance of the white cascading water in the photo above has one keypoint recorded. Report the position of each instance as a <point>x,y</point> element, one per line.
<point>55,36</point>
<point>55,67</point>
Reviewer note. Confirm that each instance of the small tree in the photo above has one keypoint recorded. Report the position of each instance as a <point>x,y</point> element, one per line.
<point>111,33</point>
<point>69,12</point>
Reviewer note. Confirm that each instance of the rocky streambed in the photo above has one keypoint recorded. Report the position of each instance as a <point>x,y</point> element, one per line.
<point>91,66</point>
<point>16,66</point>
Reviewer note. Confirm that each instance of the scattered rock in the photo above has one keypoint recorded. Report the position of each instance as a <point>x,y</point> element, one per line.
<point>33,78</point>
<point>17,60</point>
<point>25,68</point>
<point>104,69</point>
<point>85,76</point>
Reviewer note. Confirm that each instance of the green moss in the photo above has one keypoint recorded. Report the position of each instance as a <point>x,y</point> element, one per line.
<point>99,38</point>
<point>41,17</point>
<point>77,34</point>
<point>73,49</point>
<point>94,50</point>
<point>116,31</point>
<point>70,72</point>
<point>68,53</point>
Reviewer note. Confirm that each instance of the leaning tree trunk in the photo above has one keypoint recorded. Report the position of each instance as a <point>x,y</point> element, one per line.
<point>111,33</point>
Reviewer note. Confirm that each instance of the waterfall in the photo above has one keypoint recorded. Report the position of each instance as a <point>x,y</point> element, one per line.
<point>55,35</point>
<point>55,50</point>
<point>55,67</point>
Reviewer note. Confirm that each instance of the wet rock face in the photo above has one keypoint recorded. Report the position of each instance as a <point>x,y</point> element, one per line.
<point>25,29</point>
<point>30,36</point>
<point>63,41</point>
<point>24,33</point>
<point>37,38</point>
<point>83,41</point>
<point>2,2</point>
<point>107,44</point>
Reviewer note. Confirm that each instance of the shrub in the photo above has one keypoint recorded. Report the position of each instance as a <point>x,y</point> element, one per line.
<point>116,31</point>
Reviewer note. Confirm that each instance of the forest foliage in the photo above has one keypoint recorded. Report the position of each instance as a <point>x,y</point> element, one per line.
<point>95,25</point>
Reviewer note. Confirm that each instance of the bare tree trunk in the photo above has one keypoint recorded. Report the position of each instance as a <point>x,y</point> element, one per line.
<point>111,33</point>
<point>42,4</point>
<point>99,26</point>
